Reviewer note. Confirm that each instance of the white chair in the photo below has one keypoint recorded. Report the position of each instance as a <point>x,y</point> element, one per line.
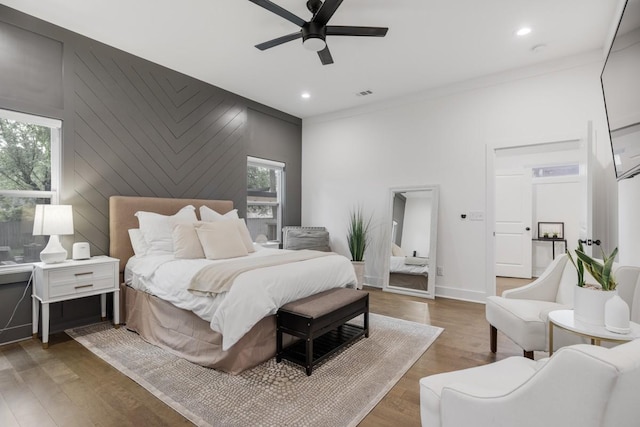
<point>580,385</point>
<point>521,313</point>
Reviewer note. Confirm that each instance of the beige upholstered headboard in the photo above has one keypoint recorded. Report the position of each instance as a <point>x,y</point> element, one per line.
<point>121,218</point>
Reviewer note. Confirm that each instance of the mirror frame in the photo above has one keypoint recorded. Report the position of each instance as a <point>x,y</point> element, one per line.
<point>433,243</point>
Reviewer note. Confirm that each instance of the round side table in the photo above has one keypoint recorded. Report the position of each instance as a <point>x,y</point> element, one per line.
<point>564,319</point>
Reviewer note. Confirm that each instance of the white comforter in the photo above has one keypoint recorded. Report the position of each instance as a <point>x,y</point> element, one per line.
<point>254,295</point>
<point>397,265</point>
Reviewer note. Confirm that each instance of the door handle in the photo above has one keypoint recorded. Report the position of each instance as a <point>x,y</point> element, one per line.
<point>590,242</point>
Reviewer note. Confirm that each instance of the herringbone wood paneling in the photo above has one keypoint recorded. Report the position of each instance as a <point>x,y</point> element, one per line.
<point>141,129</point>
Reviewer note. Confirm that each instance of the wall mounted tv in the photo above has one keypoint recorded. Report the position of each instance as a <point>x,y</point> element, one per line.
<point>621,88</point>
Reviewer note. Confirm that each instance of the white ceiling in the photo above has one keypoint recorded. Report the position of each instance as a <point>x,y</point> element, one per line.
<point>430,43</point>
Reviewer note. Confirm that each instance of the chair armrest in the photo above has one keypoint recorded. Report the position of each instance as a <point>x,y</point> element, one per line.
<point>545,287</point>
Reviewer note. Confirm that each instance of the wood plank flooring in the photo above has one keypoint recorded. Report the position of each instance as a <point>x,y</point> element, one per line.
<point>67,385</point>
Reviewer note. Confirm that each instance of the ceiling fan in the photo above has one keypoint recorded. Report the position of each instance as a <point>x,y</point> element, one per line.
<point>315,31</point>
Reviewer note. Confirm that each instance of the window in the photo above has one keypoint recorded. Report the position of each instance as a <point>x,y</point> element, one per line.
<point>572,169</point>
<point>265,198</point>
<point>29,171</point>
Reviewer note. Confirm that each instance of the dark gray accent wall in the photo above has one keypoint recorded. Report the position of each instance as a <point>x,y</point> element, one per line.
<point>270,137</point>
<point>132,127</point>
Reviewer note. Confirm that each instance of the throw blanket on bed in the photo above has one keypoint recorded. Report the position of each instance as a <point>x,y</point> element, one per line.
<point>218,278</point>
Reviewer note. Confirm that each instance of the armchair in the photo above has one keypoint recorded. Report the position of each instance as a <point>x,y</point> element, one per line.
<point>521,313</point>
<point>580,385</point>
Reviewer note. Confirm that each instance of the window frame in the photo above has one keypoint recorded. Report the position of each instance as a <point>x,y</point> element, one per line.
<point>280,186</point>
<point>55,149</point>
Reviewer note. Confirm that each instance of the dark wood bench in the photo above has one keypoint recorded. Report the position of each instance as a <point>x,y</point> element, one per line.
<point>320,321</point>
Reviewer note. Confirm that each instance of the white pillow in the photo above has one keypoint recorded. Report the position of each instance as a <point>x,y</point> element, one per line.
<point>209,215</point>
<point>186,244</point>
<point>221,240</point>
<point>243,231</point>
<point>396,250</point>
<point>138,243</point>
<point>157,228</point>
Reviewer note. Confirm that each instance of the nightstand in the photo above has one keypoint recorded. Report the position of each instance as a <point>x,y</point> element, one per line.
<point>74,279</point>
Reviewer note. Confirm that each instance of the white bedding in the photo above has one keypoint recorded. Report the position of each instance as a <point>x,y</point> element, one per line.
<point>397,265</point>
<point>254,295</point>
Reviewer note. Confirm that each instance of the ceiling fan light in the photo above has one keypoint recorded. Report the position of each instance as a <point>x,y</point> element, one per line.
<point>315,44</point>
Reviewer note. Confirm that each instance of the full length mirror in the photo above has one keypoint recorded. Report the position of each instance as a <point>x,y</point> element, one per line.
<point>412,250</point>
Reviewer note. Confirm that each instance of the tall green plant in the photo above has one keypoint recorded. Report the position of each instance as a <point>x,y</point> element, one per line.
<point>358,234</point>
<point>601,271</point>
<point>578,264</point>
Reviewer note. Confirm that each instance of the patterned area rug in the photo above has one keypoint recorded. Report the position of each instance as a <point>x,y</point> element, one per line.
<point>341,391</point>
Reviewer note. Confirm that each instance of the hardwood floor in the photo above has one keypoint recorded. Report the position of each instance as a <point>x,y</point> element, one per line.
<point>67,385</point>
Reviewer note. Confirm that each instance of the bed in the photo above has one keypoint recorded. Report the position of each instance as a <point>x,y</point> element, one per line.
<point>180,330</point>
<point>412,276</point>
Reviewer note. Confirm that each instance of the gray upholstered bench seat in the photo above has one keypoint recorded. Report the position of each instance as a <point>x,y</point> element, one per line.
<point>320,321</point>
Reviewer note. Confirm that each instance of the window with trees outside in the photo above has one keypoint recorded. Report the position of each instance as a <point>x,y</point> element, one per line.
<point>265,198</point>
<point>29,175</point>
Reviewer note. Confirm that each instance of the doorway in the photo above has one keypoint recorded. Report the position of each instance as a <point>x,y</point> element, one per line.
<point>526,184</point>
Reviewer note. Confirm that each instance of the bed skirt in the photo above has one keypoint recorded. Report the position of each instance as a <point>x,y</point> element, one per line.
<point>411,281</point>
<point>186,335</point>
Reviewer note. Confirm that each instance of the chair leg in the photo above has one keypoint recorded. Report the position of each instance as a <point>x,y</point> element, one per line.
<point>528,354</point>
<point>493,338</point>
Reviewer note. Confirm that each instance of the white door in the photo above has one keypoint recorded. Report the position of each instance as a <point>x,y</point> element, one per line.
<point>513,223</point>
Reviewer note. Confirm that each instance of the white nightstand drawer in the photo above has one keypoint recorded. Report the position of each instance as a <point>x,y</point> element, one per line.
<point>79,287</point>
<point>82,274</point>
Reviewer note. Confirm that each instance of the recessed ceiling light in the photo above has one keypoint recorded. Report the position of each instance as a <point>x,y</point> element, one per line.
<point>523,31</point>
<point>305,95</point>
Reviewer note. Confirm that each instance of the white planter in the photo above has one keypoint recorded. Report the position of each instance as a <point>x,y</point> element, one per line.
<point>358,266</point>
<point>588,305</point>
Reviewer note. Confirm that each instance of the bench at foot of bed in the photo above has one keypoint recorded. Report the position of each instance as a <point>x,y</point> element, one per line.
<point>320,321</point>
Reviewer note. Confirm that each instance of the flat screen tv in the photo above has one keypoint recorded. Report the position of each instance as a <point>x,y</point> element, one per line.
<point>621,88</point>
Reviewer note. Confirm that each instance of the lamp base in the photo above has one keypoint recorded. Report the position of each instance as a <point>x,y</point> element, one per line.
<point>53,252</point>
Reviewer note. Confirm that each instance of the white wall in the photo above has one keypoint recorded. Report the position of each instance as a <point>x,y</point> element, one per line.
<point>354,157</point>
<point>629,223</point>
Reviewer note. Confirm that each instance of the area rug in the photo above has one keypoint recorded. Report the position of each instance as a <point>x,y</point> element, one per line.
<point>341,391</point>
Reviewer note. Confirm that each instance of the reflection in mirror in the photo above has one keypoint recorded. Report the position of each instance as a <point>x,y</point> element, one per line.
<point>412,259</point>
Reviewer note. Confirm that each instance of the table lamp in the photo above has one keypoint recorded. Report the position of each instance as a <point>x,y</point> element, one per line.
<point>52,221</point>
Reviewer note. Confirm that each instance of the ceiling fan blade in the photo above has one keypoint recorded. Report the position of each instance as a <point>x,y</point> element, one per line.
<point>327,10</point>
<point>325,56</point>
<point>281,12</point>
<point>336,30</point>
<point>279,40</point>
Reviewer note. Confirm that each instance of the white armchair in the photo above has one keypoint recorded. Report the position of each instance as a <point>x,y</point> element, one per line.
<point>522,313</point>
<point>581,385</point>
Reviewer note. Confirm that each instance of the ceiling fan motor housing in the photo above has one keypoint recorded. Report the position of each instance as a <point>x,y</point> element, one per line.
<point>313,36</point>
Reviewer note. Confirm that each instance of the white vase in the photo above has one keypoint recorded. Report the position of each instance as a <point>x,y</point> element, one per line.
<point>616,315</point>
<point>358,266</point>
<point>588,305</point>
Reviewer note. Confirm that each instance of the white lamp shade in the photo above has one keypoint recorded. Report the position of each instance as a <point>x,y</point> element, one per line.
<point>53,220</point>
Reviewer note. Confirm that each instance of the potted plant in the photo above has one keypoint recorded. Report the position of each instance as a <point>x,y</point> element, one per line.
<point>358,240</point>
<point>590,298</point>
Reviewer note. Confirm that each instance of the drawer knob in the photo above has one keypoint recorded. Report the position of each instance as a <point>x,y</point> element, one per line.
<point>84,286</point>
<point>83,274</point>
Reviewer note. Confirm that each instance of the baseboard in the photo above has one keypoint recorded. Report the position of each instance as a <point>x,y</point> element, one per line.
<point>460,294</point>
<point>15,333</point>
